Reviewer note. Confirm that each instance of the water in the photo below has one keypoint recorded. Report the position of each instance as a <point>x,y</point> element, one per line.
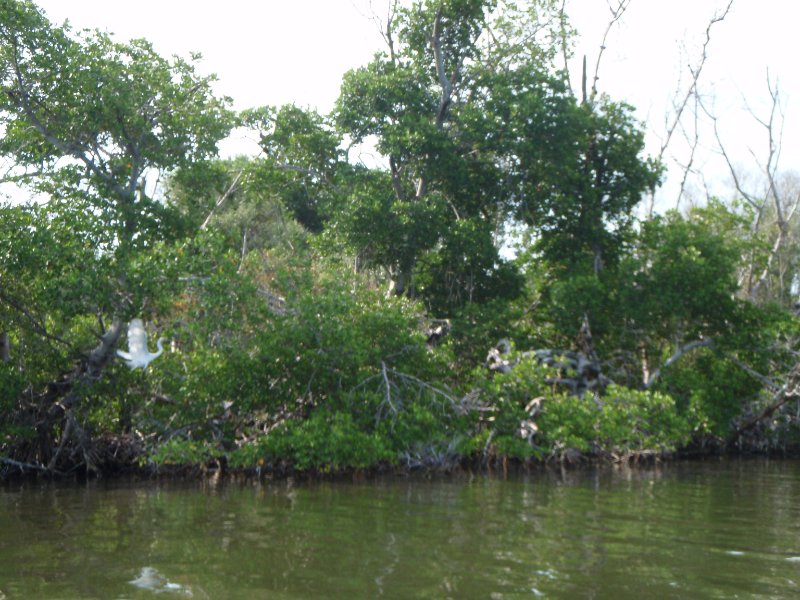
<point>720,529</point>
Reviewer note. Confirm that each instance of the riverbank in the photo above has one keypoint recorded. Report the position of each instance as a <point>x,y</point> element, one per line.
<point>125,460</point>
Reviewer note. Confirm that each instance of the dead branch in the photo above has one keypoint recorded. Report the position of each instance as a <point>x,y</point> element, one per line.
<point>616,14</point>
<point>562,20</point>
<point>676,356</point>
<point>445,82</point>
<point>681,102</point>
<point>694,142</point>
<point>21,465</point>
<point>784,211</point>
<point>788,391</point>
<point>231,188</point>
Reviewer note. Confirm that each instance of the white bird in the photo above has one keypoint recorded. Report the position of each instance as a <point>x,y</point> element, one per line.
<point>137,355</point>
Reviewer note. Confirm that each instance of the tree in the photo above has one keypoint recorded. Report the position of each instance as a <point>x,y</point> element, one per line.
<point>480,128</point>
<point>443,188</point>
<point>302,161</point>
<point>87,121</point>
<point>773,201</point>
<point>579,175</point>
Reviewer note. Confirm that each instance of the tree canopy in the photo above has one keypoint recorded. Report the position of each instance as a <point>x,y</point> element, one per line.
<point>268,274</point>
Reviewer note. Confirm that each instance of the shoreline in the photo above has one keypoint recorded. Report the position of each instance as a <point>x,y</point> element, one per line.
<point>219,471</point>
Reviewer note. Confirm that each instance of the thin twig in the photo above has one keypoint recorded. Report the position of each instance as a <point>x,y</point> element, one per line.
<point>680,106</point>
<point>616,15</point>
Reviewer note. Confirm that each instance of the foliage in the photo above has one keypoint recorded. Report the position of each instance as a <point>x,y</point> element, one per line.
<point>711,391</point>
<point>620,420</point>
<point>183,452</point>
<point>116,111</point>
<point>263,273</point>
<point>576,169</point>
<point>323,442</point>
<point>428,104</point>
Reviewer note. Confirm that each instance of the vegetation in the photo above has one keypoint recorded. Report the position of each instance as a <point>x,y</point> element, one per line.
<point>325,315</point>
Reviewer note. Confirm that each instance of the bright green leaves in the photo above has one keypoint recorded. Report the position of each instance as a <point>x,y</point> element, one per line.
<point>621,420</point>
<point>52,262</point>
<point>88,116</point>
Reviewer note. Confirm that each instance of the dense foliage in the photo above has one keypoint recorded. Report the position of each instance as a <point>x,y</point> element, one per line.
<point>322,314</point>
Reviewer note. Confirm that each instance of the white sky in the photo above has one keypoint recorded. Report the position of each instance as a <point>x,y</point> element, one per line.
<point>279,51</point>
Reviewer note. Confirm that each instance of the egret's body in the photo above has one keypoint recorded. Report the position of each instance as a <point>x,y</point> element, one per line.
<point>138,355</point>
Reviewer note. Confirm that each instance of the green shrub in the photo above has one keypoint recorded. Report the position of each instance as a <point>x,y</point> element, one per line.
<point>622,420</point>
<point>183,452</point>
<point>710,391</point>
<point>325,442</point>
<point>632,420</point>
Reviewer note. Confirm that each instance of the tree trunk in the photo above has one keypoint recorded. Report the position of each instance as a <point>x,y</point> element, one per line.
<point>5,347</point>
<point>57,412</point>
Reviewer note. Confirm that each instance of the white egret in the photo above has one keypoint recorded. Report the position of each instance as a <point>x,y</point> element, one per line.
<point>137,355</point>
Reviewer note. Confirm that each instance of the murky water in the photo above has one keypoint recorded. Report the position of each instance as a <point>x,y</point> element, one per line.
<point>721,529</point>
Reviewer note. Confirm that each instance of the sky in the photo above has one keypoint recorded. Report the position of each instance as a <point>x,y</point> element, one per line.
<point>282,51</point>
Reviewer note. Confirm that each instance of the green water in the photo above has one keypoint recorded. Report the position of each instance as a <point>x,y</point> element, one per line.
<point>721,529</point>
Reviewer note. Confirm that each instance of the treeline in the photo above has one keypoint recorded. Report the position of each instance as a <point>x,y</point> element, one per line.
<point>486,294</point>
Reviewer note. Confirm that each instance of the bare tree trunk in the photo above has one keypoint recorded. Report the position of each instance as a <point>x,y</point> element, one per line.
<point>676,356</point>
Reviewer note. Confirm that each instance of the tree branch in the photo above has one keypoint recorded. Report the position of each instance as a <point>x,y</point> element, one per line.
<point>679,353</point>
<point>445,83</point>
<point>788,391</point>
<point>23,99</point>
<point>36,325</point>
<point>616,15</point>
<point>221,199</point>
<point>680,105</point>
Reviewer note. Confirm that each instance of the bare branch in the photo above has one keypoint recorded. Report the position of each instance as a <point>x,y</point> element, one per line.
<point>784,212</point>
<point>616,15</point>
<point>768,382</point>
<point>222,198</point>
<point>679,106</point>
<point>746,196</point>
<point>23,99</point>
<point>446,83</point>
<point>562,19</point>
<point>678,354</point>
<point>694,142</point>
<point>788,391</point>
<point>22,466</point>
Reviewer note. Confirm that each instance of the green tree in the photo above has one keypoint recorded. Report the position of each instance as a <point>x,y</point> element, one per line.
<point>430,220</point>
<point>302,161</point>
<point>580,174</point>
<point>88,121</point>
<point>480,128</point>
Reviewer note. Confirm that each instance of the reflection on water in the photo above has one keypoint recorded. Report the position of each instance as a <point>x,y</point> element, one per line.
<point>719,530</point>
<point>152,580</point>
